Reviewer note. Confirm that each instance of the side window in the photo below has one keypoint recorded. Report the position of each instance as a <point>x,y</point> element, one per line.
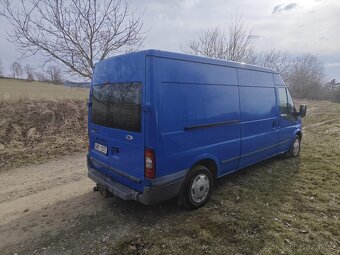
<point>250,107</point>
<point>283,102</point>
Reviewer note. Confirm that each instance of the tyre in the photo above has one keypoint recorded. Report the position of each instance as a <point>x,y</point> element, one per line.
<point>295,147</point>
<point>197,187</point>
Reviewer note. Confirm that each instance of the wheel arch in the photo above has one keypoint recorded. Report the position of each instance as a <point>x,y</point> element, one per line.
<point>209,161</point>
<point>299,134</point>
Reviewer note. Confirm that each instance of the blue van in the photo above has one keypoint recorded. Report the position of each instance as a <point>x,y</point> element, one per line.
<point>165,124</point>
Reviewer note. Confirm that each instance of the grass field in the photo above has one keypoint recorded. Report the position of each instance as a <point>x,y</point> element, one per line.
<point>13,89</point>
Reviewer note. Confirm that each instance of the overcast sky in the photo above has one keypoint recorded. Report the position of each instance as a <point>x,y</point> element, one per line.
<point>294,26</point>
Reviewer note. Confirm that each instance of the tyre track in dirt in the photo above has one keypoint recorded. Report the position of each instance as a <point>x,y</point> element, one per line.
<point>34,187</point>
<point>29,195</point>
<point>50,208</point>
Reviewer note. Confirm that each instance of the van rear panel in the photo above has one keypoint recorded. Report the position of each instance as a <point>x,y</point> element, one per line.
<point>116,119</point>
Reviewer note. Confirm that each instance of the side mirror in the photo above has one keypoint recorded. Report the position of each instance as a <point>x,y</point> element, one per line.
<point>303,110</point>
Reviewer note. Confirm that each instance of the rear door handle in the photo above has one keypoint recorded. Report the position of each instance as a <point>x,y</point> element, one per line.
<point>115,150</point>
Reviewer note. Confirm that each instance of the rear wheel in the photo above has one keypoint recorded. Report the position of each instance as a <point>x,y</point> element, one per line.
<point>198,187</point>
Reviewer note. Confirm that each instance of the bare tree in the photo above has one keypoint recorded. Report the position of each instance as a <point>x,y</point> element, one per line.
<point>40,76</point>
<point>332,85</point>
<point>333,90</point>
<point>277,60</point>
<point>233,43</point>
<point>306,77</point>
<point>29,72</point>
<point>16,69</point>
<point>54,74</point>
<point>210,43</point>
<point>1,69</point>
<point>76,33</point>
<point>336,94</point>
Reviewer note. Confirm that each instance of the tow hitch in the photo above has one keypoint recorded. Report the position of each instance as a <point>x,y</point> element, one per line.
<point>104,192</point>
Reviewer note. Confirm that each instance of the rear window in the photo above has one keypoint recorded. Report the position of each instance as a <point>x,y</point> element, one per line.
<point>117,105</point>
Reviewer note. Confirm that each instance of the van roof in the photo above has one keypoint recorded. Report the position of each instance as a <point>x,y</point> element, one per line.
<point>193,58</point>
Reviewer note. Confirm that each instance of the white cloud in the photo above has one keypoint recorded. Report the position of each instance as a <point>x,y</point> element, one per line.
<point>284,7</point>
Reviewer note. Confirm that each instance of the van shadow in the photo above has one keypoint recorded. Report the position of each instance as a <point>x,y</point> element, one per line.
<point>269,169</point>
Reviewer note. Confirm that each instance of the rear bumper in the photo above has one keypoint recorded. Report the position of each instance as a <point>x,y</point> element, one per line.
<point>150,195</point>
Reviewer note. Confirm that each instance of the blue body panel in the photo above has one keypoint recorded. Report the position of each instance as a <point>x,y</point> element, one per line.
<point>127,68</point>
<point>194,109</point>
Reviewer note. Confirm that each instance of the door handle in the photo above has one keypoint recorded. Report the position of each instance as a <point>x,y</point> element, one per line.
<point>274,124</point>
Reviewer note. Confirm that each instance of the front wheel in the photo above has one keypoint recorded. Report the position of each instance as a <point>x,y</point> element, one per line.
<point>294,150</point>
<point>198,187</point>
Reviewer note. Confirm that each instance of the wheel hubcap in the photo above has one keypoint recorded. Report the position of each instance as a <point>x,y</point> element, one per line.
<point>200,188</point>
<point>296,147</point>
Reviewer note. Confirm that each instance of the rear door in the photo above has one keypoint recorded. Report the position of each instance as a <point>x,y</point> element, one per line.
<point>116,129</point>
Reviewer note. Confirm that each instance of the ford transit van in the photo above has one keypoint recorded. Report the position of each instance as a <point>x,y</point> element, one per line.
<point>164,124</point>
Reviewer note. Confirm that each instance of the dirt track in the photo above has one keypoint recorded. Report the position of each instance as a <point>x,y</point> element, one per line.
<point>36,191</point>
<point>51,209</point>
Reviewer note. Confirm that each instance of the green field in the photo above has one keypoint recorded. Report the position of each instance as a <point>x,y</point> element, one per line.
<point>14,89</point>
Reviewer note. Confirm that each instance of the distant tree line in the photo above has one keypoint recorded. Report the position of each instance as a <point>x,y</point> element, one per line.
<point>51,74</point>
<point>304,75</point>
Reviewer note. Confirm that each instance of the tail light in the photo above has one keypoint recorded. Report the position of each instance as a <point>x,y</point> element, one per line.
<point>150,164</point>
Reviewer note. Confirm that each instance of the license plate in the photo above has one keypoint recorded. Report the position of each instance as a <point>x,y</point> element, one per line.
<point>100,148</point>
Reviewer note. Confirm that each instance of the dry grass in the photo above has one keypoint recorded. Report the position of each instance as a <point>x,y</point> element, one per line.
<point>36,130</point>
<point>39,121</point>
<point>281,206</point>
<point>13,89</point>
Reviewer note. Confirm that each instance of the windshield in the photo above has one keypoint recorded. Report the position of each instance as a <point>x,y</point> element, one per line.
<point>117,105</point>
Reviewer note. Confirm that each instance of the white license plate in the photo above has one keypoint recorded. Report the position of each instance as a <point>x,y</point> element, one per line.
<point>100,148</point>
